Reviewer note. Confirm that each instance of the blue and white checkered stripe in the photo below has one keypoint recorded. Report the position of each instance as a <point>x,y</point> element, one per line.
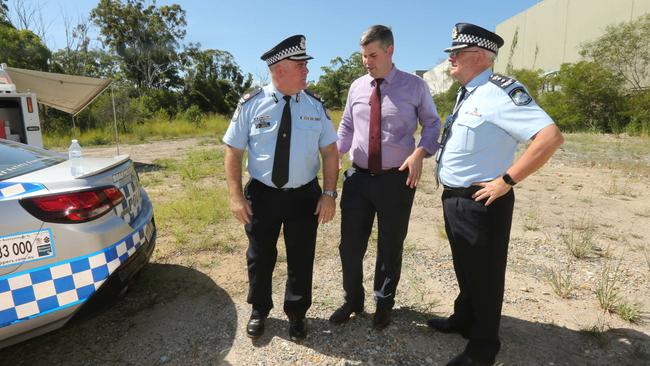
<point>43,290</point>
<point>10,190</point>
<point>129,214</point>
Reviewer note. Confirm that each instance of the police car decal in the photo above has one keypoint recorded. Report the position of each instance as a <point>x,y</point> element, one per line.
<point>26,247</point>
<point>13,190</point>
<point>36,292</point>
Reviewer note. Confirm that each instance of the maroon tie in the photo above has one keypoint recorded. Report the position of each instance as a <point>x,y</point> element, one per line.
<point>374,138</point>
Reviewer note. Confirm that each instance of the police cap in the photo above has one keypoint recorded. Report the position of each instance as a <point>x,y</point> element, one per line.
<point>292,48</point>
<point>465,35</point>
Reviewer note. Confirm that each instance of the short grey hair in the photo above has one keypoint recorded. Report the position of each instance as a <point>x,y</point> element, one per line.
<point>490,55</point>
<point>380,33</point>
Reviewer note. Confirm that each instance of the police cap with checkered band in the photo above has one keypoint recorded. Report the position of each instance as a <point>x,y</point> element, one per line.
<point>465,35</point>
<point>292,48</point>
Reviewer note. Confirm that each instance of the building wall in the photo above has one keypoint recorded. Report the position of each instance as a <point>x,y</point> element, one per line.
<point>550,33</point>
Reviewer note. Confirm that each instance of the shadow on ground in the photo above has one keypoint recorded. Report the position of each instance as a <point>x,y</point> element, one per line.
<point>408,341</point>
<point>170,315</point>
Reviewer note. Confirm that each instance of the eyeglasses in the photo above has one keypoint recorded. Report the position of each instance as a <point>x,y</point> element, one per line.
<point>456,53</point>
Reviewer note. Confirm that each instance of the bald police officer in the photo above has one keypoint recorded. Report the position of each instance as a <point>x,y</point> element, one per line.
<point>493,113</point>
<point>285,129</point>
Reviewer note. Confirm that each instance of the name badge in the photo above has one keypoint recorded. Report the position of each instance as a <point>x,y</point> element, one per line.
<point>309,118</point>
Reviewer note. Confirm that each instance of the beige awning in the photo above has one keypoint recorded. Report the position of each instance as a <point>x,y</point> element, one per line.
<point>67,93</point>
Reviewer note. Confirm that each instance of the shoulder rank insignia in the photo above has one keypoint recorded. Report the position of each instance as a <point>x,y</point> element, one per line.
<point>520,96</point>
<point>318,98</point>
<point>314,95</point>
<point>501,81</point>
<point>248,96</point>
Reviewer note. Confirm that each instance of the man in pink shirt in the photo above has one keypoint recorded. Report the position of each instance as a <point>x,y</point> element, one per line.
<point>377,129</point>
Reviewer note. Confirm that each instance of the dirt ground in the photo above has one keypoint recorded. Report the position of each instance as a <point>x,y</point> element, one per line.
<point>191,309</point>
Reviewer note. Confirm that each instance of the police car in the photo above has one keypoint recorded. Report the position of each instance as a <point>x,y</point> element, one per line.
<point>65,239</point>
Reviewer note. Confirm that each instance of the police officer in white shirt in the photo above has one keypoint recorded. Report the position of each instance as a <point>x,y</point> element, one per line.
<point>286,130</point>
<point>493,114</point>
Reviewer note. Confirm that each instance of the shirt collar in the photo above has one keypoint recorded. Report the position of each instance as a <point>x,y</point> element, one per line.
<point>277,95</point>
<point>479,80</point>
<point>387,79</point>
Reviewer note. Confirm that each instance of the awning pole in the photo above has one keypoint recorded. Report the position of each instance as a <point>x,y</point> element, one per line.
<point>74,129</point>
<point>117,140</point>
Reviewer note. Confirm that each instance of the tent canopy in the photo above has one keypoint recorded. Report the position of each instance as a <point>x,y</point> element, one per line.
<point>67,93</point>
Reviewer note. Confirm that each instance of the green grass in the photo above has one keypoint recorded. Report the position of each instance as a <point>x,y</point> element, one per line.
<point>561,281</point>
<point>151,130</point>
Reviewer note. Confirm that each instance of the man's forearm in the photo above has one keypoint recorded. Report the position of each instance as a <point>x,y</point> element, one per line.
<point>233,162</point>
<point>546,142</point>
<point>330,167</point>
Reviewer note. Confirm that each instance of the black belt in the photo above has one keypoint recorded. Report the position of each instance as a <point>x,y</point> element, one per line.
<point>465,192</point>
<point>381,172</point>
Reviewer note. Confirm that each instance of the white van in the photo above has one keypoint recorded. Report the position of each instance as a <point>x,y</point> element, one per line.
<point>19,119</point>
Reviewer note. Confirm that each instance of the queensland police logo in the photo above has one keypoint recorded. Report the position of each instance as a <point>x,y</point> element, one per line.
<point>454,32</point>
<point>519,96</point>
<point>302,43</point>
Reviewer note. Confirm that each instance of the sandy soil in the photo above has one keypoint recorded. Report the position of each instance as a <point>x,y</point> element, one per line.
<point>191,308</point>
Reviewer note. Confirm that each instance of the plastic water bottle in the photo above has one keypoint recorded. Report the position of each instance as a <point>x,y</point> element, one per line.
<point>75,153</point>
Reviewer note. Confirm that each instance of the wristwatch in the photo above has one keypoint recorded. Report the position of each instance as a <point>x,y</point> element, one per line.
<point>332,194</point>
<point>508,179</point>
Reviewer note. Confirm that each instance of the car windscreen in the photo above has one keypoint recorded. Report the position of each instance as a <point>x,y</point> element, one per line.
<point>18,159</point>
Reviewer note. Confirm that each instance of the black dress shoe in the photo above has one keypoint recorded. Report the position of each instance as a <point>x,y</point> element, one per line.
<point>464,360</point>
<point>255,327</point>
<point>446,325</point>
<point>381,319</point>
<point>297,330</point>
<point>342,314</point>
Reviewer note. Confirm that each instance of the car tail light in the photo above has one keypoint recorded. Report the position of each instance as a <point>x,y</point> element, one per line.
<point>73,207</point>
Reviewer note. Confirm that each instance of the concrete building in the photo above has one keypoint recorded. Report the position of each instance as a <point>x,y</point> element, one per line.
<point>551,32</point>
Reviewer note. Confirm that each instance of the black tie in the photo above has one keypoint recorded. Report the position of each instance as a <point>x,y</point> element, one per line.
<point>461,96</point>
<point>282,147</point>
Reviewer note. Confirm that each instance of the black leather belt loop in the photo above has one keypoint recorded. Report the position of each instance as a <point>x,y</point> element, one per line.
<point>382,172</point>
<point>464,192</point>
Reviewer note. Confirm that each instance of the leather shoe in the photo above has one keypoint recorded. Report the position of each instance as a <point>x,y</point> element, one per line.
<point>255,327</point>
<point>446,325</point>
<point>342,314</point>
<point>464,360</point>
<point>297,330</point>
<point>381,319</point>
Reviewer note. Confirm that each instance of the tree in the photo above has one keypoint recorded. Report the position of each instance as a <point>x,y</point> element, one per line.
<point>624,49</point>
<point>445,101</point>
<point>213,80</point>
<point>4,14</point>
<point>334,84</point>
<point>589,97</point>
<point>23,48</point>
<point>146,39</point>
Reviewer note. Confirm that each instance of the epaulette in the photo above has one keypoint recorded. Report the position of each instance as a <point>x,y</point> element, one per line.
<point>501,81</point>
<point>318,98</point>
<point>314,95</point>
<point>518,94</point>
<point>248,96</point>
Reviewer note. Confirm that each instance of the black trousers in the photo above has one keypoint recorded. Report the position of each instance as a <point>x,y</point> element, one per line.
<point>388,197</point>
<point>479,237</point>
<point>292,209</point>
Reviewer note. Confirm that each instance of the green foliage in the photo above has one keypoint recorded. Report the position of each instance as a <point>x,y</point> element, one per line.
<point>144,37</point>
<point>624,49</point>
<point>213,80</point>
<point>334,84</point>
<point>638,111</point>
<point>445,101</point>
<point>532,79</point>
<point>4,11</point>
<point>587,97</point>
<point>22,48</point>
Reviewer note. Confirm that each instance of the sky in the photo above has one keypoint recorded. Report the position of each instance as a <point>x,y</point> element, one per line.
<point>247,28</point>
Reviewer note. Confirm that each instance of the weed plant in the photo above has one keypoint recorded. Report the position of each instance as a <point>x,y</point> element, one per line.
<point>562,281</point>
